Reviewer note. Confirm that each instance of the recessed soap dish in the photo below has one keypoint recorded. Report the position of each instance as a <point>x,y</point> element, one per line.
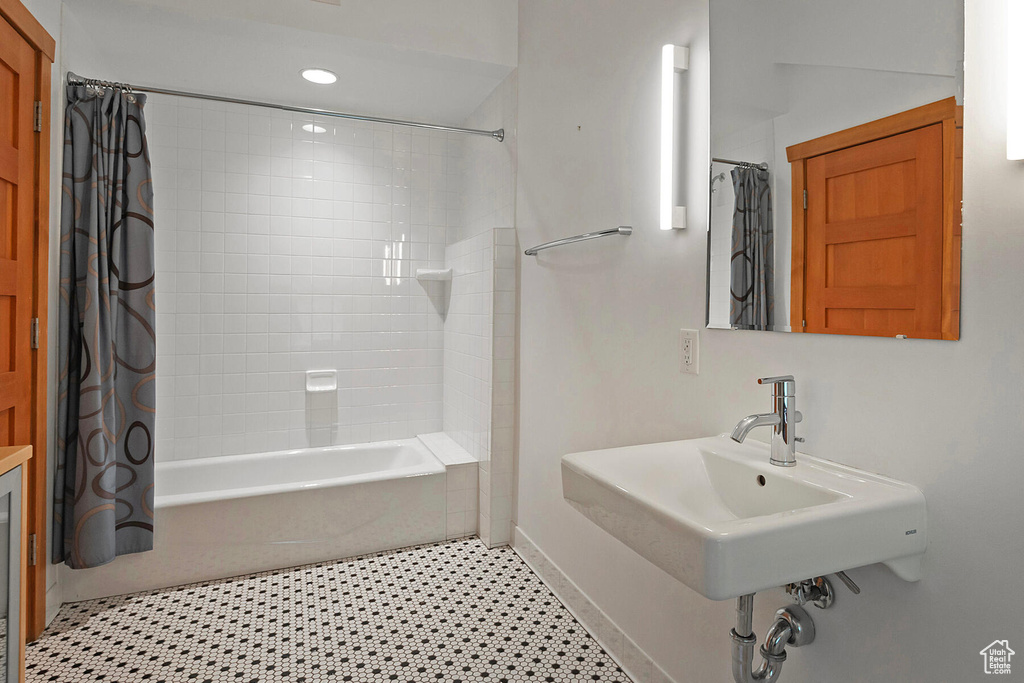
<point>321,380</point>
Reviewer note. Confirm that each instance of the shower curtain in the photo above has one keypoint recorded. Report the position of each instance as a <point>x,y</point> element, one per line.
<point>752,300</point>
<point>103,488</point>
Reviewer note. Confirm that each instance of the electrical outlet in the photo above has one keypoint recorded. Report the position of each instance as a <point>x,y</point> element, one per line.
<point>689,351</point>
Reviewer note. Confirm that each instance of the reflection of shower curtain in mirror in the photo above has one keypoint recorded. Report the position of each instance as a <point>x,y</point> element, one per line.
<point>752,297</point>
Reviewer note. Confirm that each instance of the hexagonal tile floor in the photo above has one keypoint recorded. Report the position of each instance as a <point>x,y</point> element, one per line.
<point>452,611</point>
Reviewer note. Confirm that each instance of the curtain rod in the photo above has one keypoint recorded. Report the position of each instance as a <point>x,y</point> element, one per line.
<point>75,79</point>
<point>745,164</point>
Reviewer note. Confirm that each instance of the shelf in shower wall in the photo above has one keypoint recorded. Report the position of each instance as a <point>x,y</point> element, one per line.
<point>434,275</point>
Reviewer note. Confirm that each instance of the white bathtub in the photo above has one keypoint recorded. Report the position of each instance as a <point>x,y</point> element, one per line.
<point>239,514</point>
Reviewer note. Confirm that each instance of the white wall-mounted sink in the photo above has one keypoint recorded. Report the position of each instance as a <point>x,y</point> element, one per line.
<point>719,517</point>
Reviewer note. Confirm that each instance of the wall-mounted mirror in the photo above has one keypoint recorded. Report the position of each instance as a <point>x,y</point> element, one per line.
<point>836,139</point>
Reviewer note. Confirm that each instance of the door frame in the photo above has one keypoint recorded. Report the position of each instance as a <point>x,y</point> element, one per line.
<point>950,115</point>
<point>34,609</point>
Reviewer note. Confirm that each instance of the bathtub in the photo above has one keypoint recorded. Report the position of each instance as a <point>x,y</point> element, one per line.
<point>240,514</point>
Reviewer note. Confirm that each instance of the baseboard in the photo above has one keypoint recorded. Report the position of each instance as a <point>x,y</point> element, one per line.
<point>627,654</point>
<point>54,601</point>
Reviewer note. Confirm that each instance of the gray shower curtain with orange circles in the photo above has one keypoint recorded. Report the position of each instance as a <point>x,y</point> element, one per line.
<point>103,488</point>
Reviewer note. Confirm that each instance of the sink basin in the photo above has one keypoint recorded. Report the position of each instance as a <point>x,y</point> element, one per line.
<point>719,517</point>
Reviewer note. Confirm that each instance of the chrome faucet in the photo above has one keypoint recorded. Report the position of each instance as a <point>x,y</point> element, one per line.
<point>782,420</point>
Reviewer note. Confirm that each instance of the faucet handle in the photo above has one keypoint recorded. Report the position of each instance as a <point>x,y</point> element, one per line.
<point>777,380</point>
<point>784,385</point>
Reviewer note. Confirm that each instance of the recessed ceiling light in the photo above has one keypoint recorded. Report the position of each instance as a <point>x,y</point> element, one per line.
<point>311,128</point>
<point>319,76</point>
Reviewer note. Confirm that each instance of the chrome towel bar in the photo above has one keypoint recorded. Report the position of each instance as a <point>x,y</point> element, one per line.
<point>624,230</point>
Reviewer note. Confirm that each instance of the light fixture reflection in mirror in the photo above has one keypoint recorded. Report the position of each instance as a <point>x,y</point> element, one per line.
<point>673,59</point>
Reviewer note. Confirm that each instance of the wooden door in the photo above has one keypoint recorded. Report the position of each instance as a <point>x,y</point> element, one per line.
<point>26,59</point>
<point>874,237</point>
<point>17,233</point>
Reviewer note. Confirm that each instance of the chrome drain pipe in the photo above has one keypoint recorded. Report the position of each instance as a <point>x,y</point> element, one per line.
<point>792,626</point>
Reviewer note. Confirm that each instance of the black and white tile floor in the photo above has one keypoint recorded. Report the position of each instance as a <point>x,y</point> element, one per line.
<point>452,611</point>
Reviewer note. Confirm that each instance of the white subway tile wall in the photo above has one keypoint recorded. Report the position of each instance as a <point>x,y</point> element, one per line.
<point>467,345</point>
<point>499,468</point>
<point>479,369</point>
<point>287,243</point>
<point>461,504</point>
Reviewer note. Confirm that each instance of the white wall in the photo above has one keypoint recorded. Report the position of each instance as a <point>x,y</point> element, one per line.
<point>486,169</point>
<point>599,320</point>
<point>599,363</point>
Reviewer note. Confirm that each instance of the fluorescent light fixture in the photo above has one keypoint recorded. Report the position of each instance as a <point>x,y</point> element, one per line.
<point>1014,84</point>
<point>313,128</point>
<point>673,59</point>
<point>319,76</point>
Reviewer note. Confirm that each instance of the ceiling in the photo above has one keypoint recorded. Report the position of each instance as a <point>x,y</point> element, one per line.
<point>427,60</point>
